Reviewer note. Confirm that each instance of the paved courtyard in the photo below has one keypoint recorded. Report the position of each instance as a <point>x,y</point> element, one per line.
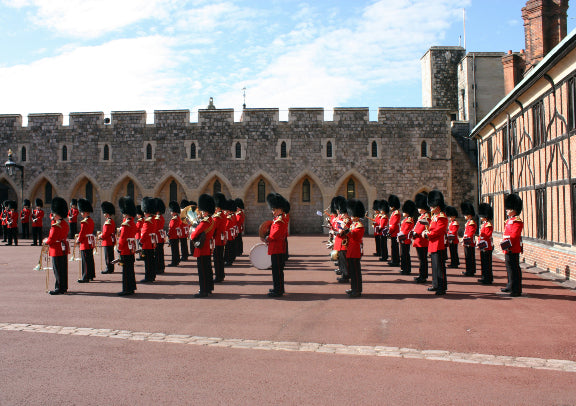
<point>397,344</point>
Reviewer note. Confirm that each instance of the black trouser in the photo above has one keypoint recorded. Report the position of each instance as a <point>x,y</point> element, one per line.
<point>149,265</point>
<point>88,271</point>
<point>286,254</point>
<point>175,250</point>
<point>13,236</point>
<point>384,248</point>
<point>278,272</point>
<point>454,258</point>
<point>438,260</point>
<point>60,268</point>
<point>37,235</point>
<point>128,275</point>
<point>240,246</point>
<point>423,258</point>
<point>514,273</point>
<point>184,248</point>
<point>159,255</point>
<point>229,252</point>
<point>343,264</point>
<point>4,232</point>
<point>355,271</point>
<point>109,257</point>
<point>25,230</point>
<point>470,255</point>
<point>73,230</point>
<point>405,260</point>
<point>219,263</point>
<point>204,274</point>
<point>486,263</point>
<point>395,250</point>
<point>377,239</point>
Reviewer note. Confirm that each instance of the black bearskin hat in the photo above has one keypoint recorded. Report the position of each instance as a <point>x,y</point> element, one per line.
<point>421,201</point>
<point>286,206</point>
<point>108,208</point>
<point>486,211</point>
<point>206,203</point>
<point>127,206</point>
<point>513,202</point>
<point>275,201</point>
<point>13,205</point>
<point>451,211</point>
<point>410,207</point>
<point>436,199</point>
<point>340,204</point>
<point>39,203</point>
<point>59,207</point>
<point>174,207</point>
<point>467,209</point>
<point>85,206</point>
<point>239,203</point>
<point>74,202</point>
<point>139,210</point>
<point>184,203</point>
<point>333,205</point>
<point>160,206</point>
<point>232,205</point>
<point>376,205</point>
<point>27,202</point>
<point>394,202</point>
<point>384,206</point>
<point>149,205</point>
<point>220,200</point>
<point>355,208</point>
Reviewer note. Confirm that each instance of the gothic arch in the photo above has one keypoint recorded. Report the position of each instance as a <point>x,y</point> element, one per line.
<point>208,182</point>
<point>79,183</point>
<point>260,174</point>
<point>11,192</point>
<point>305,219</point>
<point>162,189</point>
<point>256,211</point>
<point>38,192</point>
<point>363,193</point>
<point>119,188</point>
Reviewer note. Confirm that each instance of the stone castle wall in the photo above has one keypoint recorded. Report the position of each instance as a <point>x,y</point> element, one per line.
<point>396,139</point>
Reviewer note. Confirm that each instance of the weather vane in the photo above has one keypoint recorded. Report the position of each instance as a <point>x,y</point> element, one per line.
<point>244,93</point>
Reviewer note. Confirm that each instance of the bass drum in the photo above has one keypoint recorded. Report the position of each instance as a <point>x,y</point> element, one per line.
<point>259,256</point>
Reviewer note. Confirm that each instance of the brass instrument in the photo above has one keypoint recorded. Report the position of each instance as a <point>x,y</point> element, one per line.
<point>190,215</point>
<point>43,263</point>
<point>74,257</point>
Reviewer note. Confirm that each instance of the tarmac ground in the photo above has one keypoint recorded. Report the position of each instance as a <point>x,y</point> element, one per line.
<point>398,344</point>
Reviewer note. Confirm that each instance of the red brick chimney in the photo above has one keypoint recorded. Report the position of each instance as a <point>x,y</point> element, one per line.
<point>514,66</point>
<point>544,27</point>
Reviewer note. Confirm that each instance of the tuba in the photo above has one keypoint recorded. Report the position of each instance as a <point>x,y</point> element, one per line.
<point>189,214</point>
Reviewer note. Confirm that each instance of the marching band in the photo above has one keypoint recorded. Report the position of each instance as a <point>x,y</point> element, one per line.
<point>215,225</point>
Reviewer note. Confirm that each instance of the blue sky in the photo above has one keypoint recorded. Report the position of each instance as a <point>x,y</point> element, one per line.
<point>115,55</point>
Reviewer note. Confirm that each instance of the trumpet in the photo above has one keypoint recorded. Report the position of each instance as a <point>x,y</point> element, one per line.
<point>44,259</point>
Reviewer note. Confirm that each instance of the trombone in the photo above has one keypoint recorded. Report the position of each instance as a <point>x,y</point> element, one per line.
<point>43,263</point>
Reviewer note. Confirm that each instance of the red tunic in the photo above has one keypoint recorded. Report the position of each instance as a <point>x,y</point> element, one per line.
<point>57,239</point>
<point>376,224</point>
<point>206,225</point>
<point>437,232</point>
<point>453,228</point>
<point>241,218</point>
<point>108,235</point>
<point>486,235</point>
<point>277,237</point>
<point>355,236</point>
<point>25,215</point>
<point>127,241</point>
<point>470,231</point>
<point>159,223</point>
<point>420,226</point>
<point>174,228</point>
<point>513,232</point>
<point>139,224</point>
<point>148,234</point>
<point>37,217</point>
<point>13,219</point>
<point>231,227</point>
<point>342,223</point>
<point>86,234</point>
<point>406,227</point>
<point>219,229</point>
<point>394,227</point>
<point>73,215</point>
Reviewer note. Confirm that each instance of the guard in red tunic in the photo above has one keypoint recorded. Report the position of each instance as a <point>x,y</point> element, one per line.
<point>341,237</point>
<point>185,233</point>
<point>452,236</point>
<point>409,213</point>
<point>512,244</point>
<point>5,221</point>
<point>202,237</point>
<point>160,235</point>
<point>58,245</point>
<point>174,232</point>
<point>25,219</point>
<point>276,241</point>
<point>220,236</point>
<point>376,225</point>
<point>468,239</point>
<point>37,219</point>
<point>231,229</point>
<point>354,252</point>
<point>485,244</point>
<point>139,220</point>
<point>127,245</point>
<point>419,241</point>
<point>73,218</point>
<point>148,239</point>
<point>384,227</point>
<point>108,236</point>
<point>436,235</point>
<point>394,229</point>
<point>87,241</point>
<point>241,219</point>
<point>12,222</point>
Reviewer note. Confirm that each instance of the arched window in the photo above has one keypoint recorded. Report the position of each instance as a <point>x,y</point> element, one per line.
<point>423,149</point>
<point>306,190</point>
<point>173,191</point>
<point>23,154</point>
<point>106,156</point>
<point>217,187</point>
<point>261,191</point>
<point>89,192</point>
<point>374,149</point>
<point>193,150</point>
<point>238,150</point>
<point>130,189</point>
<point>329,149</point>
<point>350,189</point>
<point>283,149</point>
<point>149,151</point>
<point>64,153</point>
<point>48,193</point>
